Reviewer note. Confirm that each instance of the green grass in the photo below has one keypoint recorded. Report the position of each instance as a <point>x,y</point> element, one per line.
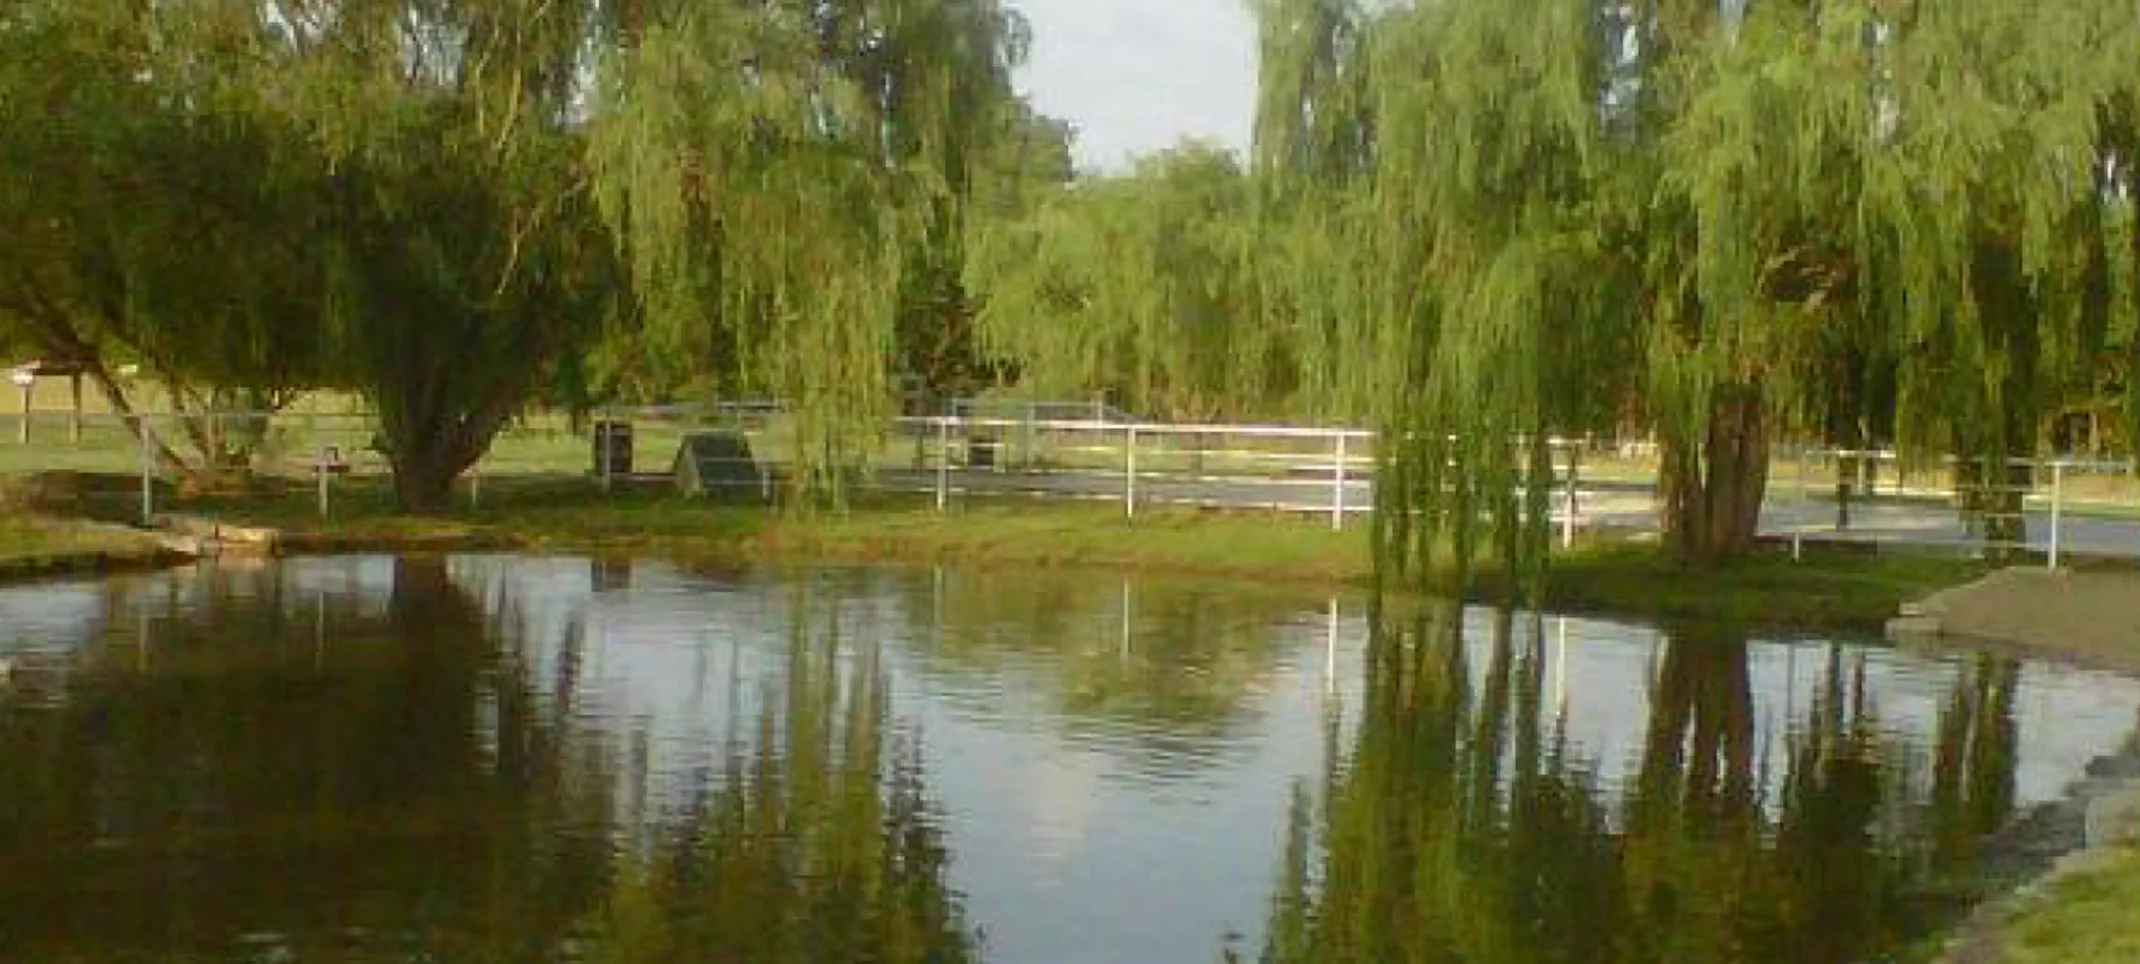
<point>2091,916</point>
<point>27,540</point>
<point>1829,590</point>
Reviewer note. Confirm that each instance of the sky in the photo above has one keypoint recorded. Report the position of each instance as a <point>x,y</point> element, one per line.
<point>1138,76</point>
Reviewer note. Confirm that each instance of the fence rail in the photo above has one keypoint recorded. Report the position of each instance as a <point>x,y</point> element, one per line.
<point>2056,507</point>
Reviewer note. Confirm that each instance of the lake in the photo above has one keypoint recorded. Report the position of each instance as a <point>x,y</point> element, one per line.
<point>542,758</point>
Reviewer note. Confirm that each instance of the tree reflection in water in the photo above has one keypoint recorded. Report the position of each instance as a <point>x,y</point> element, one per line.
<point>342,773</point>
<point>817,843</point>
<point>1458,828</point>
<point>260,763</point>
<point>1167,672</point>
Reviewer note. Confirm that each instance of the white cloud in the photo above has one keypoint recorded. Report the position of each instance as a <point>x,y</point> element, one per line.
<point>1137,76</point>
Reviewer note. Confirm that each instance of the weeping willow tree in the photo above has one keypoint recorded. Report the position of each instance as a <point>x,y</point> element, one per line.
<point>140,221</point>
<point>462,265</point>
<point>377,195</point>
<point>1313,149</point>
<point>786,179</point>
<point>2000,197</point>
<point>1137,287</point>
<point>1733,223</point>
<point>1473,323</point>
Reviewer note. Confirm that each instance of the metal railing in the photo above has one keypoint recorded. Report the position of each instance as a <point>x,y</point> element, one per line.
<point>1319,471</point>
<point>2055,507</point>
<point>2052,506</point>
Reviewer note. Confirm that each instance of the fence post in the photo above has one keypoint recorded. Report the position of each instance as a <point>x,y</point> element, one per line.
<point>1798,538</point>
<point>475,486</point>
<point>943,464</point>
<point>148,471</point>
<point>27,398</point>
<point>1129,474</point>
<point>319,470</point>
<point>1567,520</point>
<point>2058,505</point>
<point>1337,487</point>
<point>605,432</point>
<point>1032,435</point>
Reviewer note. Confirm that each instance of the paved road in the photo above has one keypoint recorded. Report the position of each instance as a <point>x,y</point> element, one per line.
<point>1604,504</point>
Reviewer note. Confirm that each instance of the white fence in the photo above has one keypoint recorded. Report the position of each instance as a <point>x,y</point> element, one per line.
<point>2061,505</point>
<point>2066,506</point>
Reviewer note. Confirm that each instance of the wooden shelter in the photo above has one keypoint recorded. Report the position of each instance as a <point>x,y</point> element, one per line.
<point>25,377</point>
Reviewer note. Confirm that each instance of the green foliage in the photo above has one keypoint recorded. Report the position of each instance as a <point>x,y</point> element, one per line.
<point>259,199</point>
<point>1136,287</point>
<point>1853,221</point>
<point>141,216</point>
<point>787,179</point>
<point>461,260</point>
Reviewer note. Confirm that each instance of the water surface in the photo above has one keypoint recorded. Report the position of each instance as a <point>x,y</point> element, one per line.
<point>498,758</point>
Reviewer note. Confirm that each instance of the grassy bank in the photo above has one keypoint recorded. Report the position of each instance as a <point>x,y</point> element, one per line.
<point>1826,591</point>
<point>2086,916</point>
<point>34,546</point>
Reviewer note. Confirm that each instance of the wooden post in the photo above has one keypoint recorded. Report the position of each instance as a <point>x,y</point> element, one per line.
<point>74,427</point>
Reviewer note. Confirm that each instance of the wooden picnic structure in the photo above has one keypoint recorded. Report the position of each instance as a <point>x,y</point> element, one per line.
<point>26,375</point>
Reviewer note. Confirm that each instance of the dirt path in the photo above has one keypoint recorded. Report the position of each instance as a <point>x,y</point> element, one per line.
<point>2091,618</point>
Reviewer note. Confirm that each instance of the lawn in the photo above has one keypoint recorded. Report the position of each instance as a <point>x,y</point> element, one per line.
<point>1839,590</point>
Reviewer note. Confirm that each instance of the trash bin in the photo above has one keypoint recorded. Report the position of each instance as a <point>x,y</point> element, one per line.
<point>612,448</point>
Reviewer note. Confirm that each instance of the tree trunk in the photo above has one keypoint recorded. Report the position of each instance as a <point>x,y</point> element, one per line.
<point>423,484</point>
<point>429,454</point>
<point>1713,490</point>
<point>1699,753</point>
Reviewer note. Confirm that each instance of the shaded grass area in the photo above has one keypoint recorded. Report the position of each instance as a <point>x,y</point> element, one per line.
<point>26,537</point>
<point>1829,588</point>
<point>1838,590</point>
<point>34,546</point>
<point>2088,916</point>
